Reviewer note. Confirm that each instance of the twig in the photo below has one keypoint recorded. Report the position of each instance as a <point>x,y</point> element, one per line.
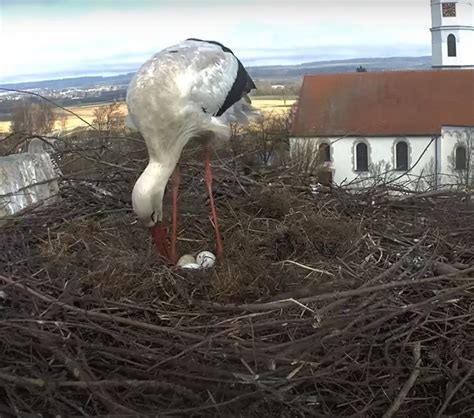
<point>398,402</point>
<point>307,267</point>
<point>453,392</point>
<point>80,374</point>
<point>143,384</point>
<point>99,315</point>
<point>281,304</point>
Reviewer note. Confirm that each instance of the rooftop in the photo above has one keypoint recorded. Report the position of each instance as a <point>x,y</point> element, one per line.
<point>385,103</point>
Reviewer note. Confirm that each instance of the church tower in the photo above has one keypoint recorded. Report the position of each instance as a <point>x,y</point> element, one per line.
<point>452,34</point>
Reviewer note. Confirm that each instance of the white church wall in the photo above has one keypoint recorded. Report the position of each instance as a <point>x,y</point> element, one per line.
<point>382,155</point>
<point>451,138</point>
<point>464,48</point>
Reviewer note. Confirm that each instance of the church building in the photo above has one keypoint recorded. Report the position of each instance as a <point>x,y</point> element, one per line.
<point>410,128</point>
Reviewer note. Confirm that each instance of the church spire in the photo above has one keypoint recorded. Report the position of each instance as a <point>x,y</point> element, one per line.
<point>452,34</point>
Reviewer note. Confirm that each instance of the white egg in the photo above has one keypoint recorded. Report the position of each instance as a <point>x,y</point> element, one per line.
<point>186,259</point>
<point>206,259</point>
<point>191,266</point>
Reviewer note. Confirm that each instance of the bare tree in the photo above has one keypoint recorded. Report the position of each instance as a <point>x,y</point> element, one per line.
<point>305,156</point>
<point>32,116</point>
<point>62,117</point>
<point>270,135</point>
<point>109,118</point>
<point>236,141</point>
<point>291,116</point>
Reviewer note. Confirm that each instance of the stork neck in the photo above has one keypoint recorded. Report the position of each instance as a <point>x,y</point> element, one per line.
<point>158,172</point>
<point>147,194</point>
<point>164,152</point>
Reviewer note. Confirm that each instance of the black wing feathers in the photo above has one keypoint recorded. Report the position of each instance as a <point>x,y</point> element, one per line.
<point>242,85</point>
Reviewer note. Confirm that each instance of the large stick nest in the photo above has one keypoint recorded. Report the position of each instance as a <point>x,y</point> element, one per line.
<point>327,304</point>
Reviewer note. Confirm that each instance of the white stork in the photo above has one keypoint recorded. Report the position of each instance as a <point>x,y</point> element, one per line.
<point>190,90</point>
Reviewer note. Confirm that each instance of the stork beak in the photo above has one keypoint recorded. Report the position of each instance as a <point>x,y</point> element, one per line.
<point>160,237</point>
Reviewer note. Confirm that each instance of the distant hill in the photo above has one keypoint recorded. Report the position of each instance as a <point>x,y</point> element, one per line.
<point>64,83</point>
<point>269,72</point>
<point>370,64</point>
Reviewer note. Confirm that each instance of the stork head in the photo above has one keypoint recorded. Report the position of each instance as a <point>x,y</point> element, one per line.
<point>147,205</point>
<point>147,196</point>
<point>147,201</point>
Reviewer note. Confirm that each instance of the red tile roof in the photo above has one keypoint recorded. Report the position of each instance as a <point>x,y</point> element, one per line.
<point>385,103</point>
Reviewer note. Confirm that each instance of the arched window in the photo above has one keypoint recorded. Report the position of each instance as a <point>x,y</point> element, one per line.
<point>451,45</point>
<point>461,160</point>
<point>362,157</point>
<point>324,152</point>
<point>401,156</point>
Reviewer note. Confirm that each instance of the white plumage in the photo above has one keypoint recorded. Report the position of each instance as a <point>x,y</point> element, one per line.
<point>192,89</point>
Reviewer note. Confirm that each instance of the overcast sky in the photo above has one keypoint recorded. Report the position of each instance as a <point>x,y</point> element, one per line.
<point>60,38</point>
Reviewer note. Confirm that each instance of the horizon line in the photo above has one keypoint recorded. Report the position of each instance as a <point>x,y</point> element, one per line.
<point>120,73</point>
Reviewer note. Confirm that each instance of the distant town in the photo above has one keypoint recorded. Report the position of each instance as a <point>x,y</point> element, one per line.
<point>72,96</point>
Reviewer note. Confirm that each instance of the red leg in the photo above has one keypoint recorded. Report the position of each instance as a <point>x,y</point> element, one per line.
<point>208,178</point>
<point>159,235</point>
<point>159,231</point>
<point>175,179</point>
